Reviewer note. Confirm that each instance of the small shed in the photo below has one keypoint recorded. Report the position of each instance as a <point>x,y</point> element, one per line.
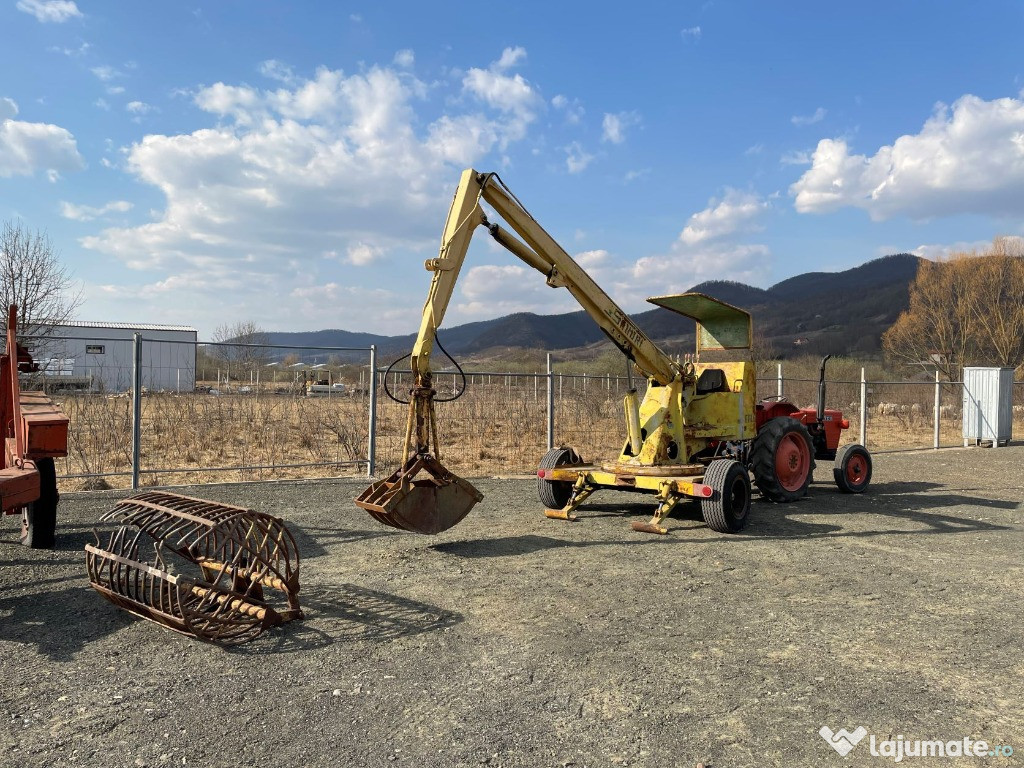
<point>988,405</point>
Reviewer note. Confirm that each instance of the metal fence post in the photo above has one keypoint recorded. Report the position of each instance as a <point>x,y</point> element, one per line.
<point>136,407</point>
<point>551,405</point>
<point>937,409</point>
<point>863,409</point>
<point>371,447</point>
<point>780,380</point>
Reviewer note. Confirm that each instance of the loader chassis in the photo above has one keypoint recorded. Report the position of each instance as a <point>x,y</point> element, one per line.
<point>698,433</point>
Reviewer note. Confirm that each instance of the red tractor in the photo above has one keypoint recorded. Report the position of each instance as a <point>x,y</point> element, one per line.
<point>789,439</point>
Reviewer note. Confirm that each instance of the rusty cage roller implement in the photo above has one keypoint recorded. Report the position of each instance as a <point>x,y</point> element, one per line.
<point>234,555</point>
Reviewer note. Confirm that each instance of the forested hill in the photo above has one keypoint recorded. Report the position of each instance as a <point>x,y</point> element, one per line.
<point>816,312</point>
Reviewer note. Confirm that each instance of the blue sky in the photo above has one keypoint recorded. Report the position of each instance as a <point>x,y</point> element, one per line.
<point>292,164</point>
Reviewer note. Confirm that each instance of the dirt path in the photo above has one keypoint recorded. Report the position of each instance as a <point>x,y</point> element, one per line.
<point>512,640</point>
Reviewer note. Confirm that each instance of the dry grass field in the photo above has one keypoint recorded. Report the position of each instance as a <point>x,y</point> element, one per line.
<point>498,427</point>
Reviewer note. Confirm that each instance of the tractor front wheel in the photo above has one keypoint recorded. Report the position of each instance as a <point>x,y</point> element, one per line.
<point>852,471</point>
<point>782,459</point>
<point>729,506</point>
<point>39,520</point>
<point>556,494</point>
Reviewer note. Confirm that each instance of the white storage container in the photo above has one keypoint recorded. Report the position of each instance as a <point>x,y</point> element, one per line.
<point>988,405</point>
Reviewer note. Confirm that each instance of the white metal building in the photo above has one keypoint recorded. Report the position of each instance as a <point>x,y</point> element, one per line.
<point>98,356</point>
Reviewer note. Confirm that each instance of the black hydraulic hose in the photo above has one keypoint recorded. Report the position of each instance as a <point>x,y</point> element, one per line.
<point>458,367</point>
<point>388,391</point>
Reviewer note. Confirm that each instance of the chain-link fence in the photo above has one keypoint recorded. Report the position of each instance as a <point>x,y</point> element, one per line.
<point>209,412</point>
<point>498,424</point>
<point>205,412</point>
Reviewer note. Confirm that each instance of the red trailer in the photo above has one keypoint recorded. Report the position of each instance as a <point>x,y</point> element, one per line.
<point>35,433</point>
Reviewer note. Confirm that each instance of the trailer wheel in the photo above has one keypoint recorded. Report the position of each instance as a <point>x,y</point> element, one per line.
<point>782,459</point>
<point>852,471</point>
<point>729,506</point>
<point>555,494</point>
<point>39,520</point>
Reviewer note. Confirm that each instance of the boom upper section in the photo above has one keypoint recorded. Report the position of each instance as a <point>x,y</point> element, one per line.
<point>531,243</point>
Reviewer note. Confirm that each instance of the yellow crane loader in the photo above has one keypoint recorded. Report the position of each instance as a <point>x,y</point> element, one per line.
<point>698,434</point>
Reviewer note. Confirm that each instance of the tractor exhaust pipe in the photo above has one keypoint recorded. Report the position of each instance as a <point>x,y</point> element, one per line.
<point>821,391</point>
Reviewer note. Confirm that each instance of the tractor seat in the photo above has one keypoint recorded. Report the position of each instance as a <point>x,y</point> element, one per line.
<point>712,380</point>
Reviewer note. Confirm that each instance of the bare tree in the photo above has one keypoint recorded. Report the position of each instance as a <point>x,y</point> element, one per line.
<point>32,277</point>
<point>241,346</point>
<point>967,310</point>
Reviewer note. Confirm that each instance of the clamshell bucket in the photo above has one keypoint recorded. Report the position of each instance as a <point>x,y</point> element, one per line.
<point>198,567</point>
<point>422,497</point>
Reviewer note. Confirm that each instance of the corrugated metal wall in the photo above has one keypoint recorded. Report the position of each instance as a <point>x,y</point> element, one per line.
<point>988,404</point>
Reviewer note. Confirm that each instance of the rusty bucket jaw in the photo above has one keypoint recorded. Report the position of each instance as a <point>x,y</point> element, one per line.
<point>422,497</point>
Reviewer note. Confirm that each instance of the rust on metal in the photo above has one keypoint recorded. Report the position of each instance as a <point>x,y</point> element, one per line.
<point>422,496</point>
<point>198,567</point>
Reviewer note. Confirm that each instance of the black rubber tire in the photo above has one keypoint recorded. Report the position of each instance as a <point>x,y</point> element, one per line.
<point>555,495</point>
<point>39,520</point>
<point>852,471</point>
<point>729,506</point>
<point>774,434</point>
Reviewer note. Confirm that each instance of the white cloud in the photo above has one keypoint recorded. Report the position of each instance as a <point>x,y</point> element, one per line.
<point>754,149</point>
<point>106,73</point>
<point>56,11</point>
<point>571,108</point>
<point>590,259</point>
<point>491,290</point>
<point>81,50</point>
<point>937,251</point>
<point>576,158</point>
<point>28,147</point>
<point>277,70</point>
<point>139,107</point>
<point>691,33</point>
<point>88,213</point>
<point>405,58</point>
<point>817,117</point>
<point>511,94</point>
<point>614,126</point>
<point>115,90</point>
<point>735,212</point>
<point>333,163</point>
<point>968,159</point>
<point>797,157</point>
<point>709,248</point>
<point>361,254</point>
<point>102,104</point>
<point>510,57</point>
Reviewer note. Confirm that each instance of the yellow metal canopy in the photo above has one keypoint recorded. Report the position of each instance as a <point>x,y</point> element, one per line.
<point>719,325</point>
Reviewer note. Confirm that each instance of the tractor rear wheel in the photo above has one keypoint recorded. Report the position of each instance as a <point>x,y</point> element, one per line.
<point>556,494</point>
<point>852,471</point>
<point>782,459</point>
<point>39,520</point>
<point>729,506</point>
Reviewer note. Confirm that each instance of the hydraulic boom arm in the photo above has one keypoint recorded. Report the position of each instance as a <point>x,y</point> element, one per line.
<point>538,249</point>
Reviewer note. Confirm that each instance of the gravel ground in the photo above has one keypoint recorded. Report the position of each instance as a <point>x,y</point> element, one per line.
<point>512,640</point>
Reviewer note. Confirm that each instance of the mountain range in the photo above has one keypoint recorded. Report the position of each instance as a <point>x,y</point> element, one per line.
<point>840,313</point>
